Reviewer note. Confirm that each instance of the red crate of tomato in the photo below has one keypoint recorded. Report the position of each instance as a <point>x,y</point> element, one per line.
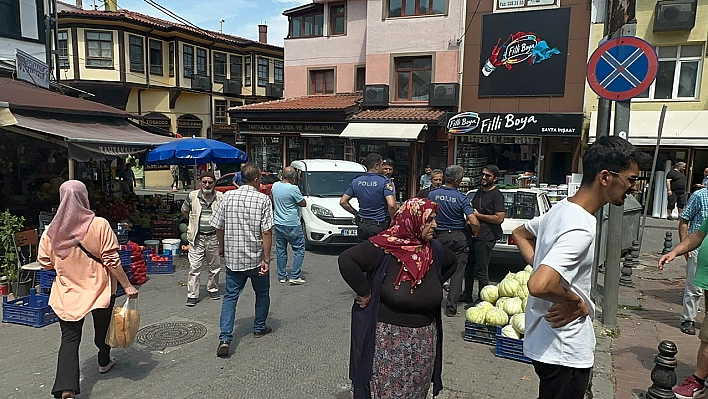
<point>159,264</point>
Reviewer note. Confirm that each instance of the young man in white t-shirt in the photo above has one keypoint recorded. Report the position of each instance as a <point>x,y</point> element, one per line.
<point>561,244</point>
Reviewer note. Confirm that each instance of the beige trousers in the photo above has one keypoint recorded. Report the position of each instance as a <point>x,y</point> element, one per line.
<point>204,250</point>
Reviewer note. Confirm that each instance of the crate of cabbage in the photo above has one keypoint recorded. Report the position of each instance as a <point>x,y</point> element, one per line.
<point>503,306</point>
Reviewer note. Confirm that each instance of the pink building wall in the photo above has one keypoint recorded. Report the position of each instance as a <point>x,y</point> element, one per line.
<point>375,41</point>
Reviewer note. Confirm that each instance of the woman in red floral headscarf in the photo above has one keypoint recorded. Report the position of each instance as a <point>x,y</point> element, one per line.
<point>396,325</point>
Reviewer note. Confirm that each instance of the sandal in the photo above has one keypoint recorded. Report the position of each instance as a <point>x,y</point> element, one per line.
<point>106,368</point>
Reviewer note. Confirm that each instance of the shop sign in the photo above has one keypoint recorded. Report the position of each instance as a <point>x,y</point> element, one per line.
<point>522,5</point>
<point>223,128</point>
<point>189,124</point>
<point>156,122</point>
<point>333,128</point>
<point>524,53</point>
<point>31,69</point>
<point>567,125</point>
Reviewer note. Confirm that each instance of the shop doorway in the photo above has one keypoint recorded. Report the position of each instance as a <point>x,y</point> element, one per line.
<point>559,166</point>
<point>700,162</point>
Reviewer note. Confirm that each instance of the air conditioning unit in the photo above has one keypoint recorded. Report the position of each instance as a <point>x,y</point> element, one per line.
<point>201,82</point>
<point>672,15</point>
<point>232,86</point>
<point>375,96</point>
<point>443,95</point>
<point>274,90</point>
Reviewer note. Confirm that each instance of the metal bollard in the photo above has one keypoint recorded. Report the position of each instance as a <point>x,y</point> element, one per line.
<point>663,376</point>
<point>626,277</point>
<point>667,243</point>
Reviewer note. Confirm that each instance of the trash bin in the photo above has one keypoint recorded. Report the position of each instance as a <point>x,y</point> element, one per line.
<point>630,226</point>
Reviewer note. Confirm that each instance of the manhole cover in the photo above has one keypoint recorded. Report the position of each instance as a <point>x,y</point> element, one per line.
<point>161,335</point>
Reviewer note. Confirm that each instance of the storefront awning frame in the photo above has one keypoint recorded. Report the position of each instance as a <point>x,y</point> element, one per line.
<point>383,131</point>
<point>681,128</point>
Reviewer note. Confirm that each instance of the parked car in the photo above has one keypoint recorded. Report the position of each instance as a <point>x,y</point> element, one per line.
<point>322,183</point>
<point>225,182</point>
<point>520,205</point>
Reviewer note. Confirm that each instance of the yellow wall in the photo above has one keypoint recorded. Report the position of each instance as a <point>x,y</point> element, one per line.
<point>645,22</point>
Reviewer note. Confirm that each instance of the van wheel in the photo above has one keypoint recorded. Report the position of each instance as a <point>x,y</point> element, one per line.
<point>308,244</point>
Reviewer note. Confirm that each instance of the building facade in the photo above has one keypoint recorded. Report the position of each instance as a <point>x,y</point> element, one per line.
<point>399,59</point>
<point>522,90</point>
<point>680,84</point>
<point>179,78</point>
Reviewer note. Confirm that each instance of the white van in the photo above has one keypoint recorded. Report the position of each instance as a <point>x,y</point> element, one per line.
<point>322,183</point>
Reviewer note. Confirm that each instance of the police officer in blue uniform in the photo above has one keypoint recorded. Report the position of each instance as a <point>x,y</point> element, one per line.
<point>377,202</point>
<point>454,213</point>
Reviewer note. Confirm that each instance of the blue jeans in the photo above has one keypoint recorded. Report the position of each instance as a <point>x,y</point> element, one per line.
<point>235,282</point>
<point>294,236</point>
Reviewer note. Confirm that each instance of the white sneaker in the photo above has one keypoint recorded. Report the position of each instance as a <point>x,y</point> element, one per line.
<point>297,281</point>
<point>283,281</point>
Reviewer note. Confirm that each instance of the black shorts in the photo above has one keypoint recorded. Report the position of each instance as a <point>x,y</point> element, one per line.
<point>676,200</point>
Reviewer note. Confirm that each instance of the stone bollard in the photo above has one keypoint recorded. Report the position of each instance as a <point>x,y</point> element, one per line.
<point>667,243</point>
<point>663,376</point>
<point>626,277</point>
<point>635,252</point>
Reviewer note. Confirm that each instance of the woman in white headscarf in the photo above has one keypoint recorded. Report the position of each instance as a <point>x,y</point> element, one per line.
<point>83,250</point>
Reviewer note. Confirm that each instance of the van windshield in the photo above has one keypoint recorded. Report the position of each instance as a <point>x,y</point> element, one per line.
<point>328,184</point>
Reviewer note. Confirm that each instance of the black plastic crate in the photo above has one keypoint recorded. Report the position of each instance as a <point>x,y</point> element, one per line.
<point>480,333</point>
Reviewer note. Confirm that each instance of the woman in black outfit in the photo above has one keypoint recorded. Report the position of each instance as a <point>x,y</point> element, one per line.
<point>396,347</point>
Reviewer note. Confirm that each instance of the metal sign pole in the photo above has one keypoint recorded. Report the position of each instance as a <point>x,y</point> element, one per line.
<point>653,171</point>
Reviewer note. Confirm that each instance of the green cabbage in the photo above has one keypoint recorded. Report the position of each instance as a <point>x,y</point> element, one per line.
<point>523,291</point>
<point>501,301</point>
<point>489,293</point>
<point>476,315</point>
<point>512,306</point>
<point>509,332</point>
<point>522,277</point>
<point>508,286</point>
<point>518,321</point>
<point>496,317</point>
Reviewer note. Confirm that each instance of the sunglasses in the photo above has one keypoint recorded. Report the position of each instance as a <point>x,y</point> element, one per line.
<point>630,179</point>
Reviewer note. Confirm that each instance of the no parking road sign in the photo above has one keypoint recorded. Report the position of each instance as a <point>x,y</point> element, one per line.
<point>622,68</point>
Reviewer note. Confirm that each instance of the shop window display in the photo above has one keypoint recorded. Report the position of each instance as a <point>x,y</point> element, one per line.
<point>267,153</point>
<point>325,148</point>
<point>514,155</point>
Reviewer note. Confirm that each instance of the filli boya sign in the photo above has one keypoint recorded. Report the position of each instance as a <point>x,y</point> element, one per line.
<point>566,125</point>
<point>532,46</point>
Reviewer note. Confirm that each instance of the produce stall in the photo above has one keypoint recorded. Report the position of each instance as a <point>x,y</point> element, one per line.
<point>499,319</point>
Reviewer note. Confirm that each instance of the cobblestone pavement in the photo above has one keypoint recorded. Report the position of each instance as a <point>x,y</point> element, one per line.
<point>306,356</point>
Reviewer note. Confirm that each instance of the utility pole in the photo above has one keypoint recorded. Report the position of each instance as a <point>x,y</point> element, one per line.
<point>615,232</point>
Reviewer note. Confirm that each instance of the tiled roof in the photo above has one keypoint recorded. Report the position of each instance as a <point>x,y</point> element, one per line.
<point>314,102</point>
<point>161,23</point>
<point>422,114</point>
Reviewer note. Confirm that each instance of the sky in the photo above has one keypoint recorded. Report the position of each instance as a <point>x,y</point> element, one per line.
<point>241,17</point>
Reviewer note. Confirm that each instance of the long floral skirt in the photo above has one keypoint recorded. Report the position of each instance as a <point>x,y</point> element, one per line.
<point>403,361</point>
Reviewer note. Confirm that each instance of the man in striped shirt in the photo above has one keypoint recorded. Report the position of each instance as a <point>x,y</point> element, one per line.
<point>244,223</point>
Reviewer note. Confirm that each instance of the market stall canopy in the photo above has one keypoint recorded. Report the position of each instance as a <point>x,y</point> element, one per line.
<point>681,128</point>
<point>92,138</point>
<point>193,151</point>
<point>383,131</point>
<point>27,97</point>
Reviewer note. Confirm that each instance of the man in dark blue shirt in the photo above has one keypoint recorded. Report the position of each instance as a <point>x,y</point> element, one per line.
<point>454,213</point>
<point>377,203</point>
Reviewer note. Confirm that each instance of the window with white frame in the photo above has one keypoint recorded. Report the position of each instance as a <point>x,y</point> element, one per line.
<point>63,49</point>
<point>679,75</point>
